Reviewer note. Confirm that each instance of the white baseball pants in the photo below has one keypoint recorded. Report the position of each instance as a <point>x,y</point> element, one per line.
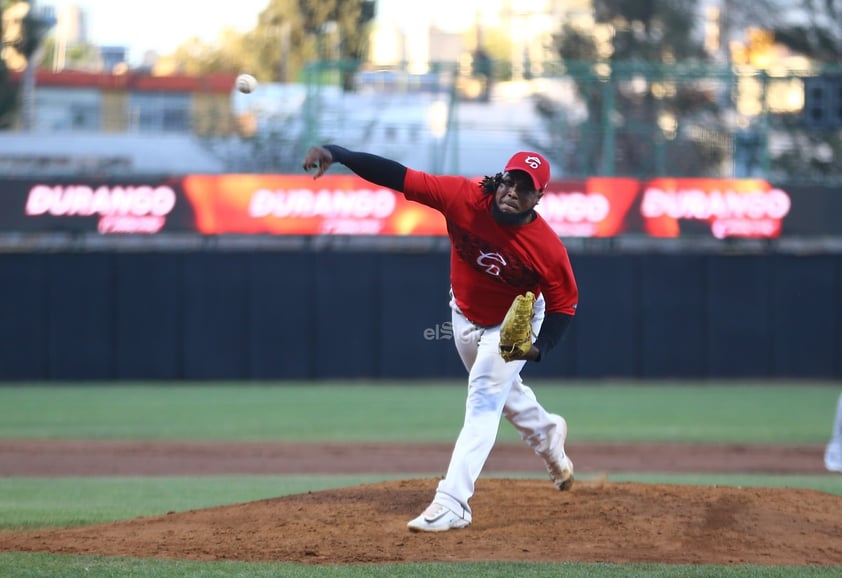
<point>495,388</point>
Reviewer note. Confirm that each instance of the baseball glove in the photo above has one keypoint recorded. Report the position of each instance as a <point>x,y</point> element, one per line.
<point>516,330</point>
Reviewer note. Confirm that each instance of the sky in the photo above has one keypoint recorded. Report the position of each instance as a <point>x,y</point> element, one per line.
<point>161,25</point>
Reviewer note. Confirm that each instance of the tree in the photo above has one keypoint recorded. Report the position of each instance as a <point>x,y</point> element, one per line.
<point>288,34</point>
<point>196,57</point>
<point>8,93</point>
<point>22,33</point>
<point>638,109</point>
<point>812,28</point>
<point>737,16</point>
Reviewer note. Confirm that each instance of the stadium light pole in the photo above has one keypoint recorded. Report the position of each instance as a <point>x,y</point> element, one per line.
<point>44,22</point>
<point>437,114</point>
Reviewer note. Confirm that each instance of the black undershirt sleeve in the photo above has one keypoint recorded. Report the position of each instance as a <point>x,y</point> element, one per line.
<point>552,330</point>
<point>375,169</point>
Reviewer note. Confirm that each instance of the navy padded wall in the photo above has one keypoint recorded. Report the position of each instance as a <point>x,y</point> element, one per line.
<point>740,335</point>
<point>81,297</point>
<point>282,316</point>
<point>673,316</point>
<point>348,315</point>
<point>608,318</point>
<point>804,302</point>
<point>215,316</point>
<point>415,330</point>
<point>24,317</point>
<point>322,315</point>
<point>148,328</point>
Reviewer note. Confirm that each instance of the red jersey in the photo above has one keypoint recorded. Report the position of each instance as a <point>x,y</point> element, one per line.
<point>491,263</point>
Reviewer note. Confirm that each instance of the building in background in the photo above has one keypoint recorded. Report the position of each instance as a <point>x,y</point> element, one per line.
<point>113,57</point>
<point>70,31</point>
<point>133,102</point>
<point>131,123</point>
<point>407,100</point>
<point>72,24</point>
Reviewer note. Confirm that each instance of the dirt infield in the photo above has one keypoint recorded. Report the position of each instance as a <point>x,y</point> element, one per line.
<point>514,519</point>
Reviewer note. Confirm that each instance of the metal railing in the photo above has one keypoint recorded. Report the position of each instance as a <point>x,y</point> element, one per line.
<point>612,119</point>
<point>632,119</point>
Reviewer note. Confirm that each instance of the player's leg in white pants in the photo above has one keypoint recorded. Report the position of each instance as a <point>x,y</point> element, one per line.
<point>494,389</point>
<point>528,416</point>
<point>522,409</point>
<point>833,451</point>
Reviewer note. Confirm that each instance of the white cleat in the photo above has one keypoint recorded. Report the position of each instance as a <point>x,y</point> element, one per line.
<point>559,465</point>
<point>437,518</point>
<point>833,456</point>
<point>561,473</point>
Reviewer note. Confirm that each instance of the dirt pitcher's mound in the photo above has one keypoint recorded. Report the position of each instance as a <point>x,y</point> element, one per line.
<point>513,520</point>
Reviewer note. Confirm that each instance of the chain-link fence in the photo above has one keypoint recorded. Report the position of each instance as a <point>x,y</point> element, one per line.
<point>632,119</point>
<point>612,119</point>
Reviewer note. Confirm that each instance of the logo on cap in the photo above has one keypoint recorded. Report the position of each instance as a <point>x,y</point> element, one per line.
<point>533,164</point>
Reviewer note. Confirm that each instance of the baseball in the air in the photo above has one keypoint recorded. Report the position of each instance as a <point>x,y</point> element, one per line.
<point>246,83</point>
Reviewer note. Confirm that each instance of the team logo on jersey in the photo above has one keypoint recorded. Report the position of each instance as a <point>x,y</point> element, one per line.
<point>491,262</point>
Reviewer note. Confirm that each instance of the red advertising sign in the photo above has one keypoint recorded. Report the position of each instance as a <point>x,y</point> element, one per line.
<point>595,207</point>
<point>730,207</point>
<point>299,205</point>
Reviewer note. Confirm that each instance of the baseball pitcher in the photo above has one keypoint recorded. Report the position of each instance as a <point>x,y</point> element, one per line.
<point>513,295</point>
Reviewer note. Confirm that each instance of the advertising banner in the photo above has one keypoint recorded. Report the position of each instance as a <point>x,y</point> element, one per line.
<point>261,204</point>
<point>749,208</point>
<point>300,205</point>
<point>94,206</point>
<point>594,207</point>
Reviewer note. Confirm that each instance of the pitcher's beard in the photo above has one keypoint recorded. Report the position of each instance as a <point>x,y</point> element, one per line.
<point>511,218</point>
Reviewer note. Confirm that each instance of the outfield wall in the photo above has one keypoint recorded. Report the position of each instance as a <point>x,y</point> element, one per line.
<point>331,314</point>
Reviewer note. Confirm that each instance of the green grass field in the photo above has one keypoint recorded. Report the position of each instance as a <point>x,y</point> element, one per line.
<point>359,411</point>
